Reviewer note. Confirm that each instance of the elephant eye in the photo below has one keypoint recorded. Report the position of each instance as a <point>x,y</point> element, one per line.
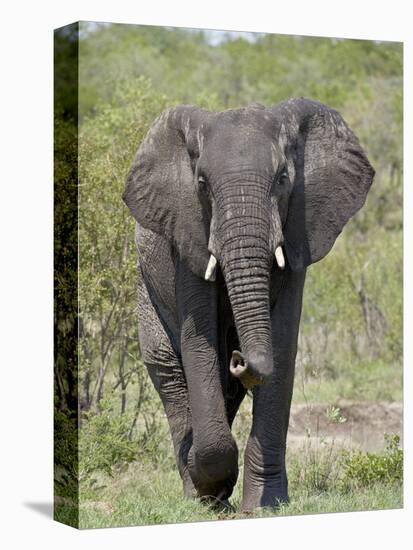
<point>202,181</point>
<point>283,178</point>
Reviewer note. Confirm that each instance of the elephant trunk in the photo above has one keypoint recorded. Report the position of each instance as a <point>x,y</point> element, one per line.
<point>246,260</point>
<point>248,291</point>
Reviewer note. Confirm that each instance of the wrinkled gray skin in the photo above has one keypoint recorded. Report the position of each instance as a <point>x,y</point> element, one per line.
<point>236,184</point>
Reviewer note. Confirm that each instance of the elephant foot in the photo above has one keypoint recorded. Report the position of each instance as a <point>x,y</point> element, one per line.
<point>265,480</point>
<point>188,486</point>
<point>222,506</point>
<point>268,493</point>
<point>214,473</point>
<point>266,498</point>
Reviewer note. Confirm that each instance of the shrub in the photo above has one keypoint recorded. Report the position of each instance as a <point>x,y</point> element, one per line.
<point>65,454</point>
<point>104,441</point>
<point>361,469</point>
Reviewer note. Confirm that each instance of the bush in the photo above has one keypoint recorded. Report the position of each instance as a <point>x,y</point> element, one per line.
<point>65,454</point>
<point>320,467</point>
<point>362,469</point>
<point>109,352</point>
<point>104,441</point>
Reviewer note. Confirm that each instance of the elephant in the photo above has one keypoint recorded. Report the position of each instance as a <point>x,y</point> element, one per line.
<point>231,208</point>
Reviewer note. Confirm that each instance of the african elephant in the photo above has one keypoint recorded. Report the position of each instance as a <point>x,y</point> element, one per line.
<point>231,208</point>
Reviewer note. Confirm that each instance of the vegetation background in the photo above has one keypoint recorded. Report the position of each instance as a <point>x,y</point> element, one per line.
<point>350,346</point>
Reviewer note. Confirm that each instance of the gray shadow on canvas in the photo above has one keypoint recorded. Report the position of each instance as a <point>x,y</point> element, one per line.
<point>42,508</point>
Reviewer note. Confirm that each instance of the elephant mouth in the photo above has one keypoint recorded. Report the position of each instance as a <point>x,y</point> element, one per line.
<point>210,272</point>
<point>239,368</point>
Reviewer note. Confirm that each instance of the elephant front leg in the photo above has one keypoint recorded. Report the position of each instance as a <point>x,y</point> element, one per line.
<point>213,457</point>
<point>265,475</point>
<point>166,373</point>
<point>170,384</point>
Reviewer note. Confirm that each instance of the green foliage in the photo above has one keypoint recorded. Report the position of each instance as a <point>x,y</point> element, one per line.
<point>321,466</point>
<point>104,441</point>
<point>362,469</point>
<point>66,61</point>
<point>65,260</point>
<point>66,455</point>
<point>351,332</point>
<point>315,468</point>
<point>353,379</point>
<point>120,413</point>
<point>107,252</point>
<point>155,442</point>
<point>183,64</point>
<point>66,485</point>
<point>334,414</point>
<point>67,513</point>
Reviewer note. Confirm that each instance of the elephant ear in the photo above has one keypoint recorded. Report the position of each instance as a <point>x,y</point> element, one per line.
<point>331,178</point>
<point>160,189</point>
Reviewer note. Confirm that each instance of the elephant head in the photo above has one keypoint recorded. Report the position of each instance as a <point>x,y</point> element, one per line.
<point>244,189</point>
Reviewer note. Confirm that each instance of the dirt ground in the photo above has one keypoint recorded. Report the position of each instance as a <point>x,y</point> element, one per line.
<point>364,427</point>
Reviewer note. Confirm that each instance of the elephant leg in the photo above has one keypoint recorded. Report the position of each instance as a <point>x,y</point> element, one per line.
<point>166,373</point>
<point>234,397</point>
<point>213,457</point>
<point>265,476</point>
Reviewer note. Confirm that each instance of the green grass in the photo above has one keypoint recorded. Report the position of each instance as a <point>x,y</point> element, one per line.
<point>142,494</point>
<point>379,496</point>
<point>363,381</point>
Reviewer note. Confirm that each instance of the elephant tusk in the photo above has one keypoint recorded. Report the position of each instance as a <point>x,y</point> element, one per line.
<point>211,267</point>
<point>279,256</point>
